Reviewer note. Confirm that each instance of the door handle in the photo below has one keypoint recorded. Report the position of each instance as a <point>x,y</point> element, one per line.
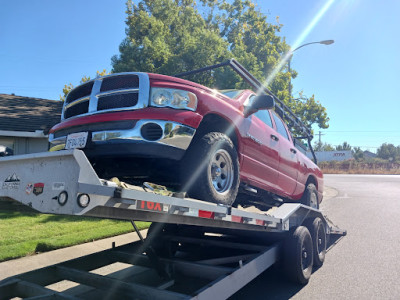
<point>293,150</point>
<point>274,137</point>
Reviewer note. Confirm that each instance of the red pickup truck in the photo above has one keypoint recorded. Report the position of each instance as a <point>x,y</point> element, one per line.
<point>215,145</point>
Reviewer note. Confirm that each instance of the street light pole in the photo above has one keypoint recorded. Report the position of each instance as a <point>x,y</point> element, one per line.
<point>324,42</point>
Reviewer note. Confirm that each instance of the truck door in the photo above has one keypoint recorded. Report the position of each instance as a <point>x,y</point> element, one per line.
<point>261,160</point>
<point>288,159</point>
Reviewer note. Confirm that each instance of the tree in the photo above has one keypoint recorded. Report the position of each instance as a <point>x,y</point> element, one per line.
<point>169,37</point>
<point>344,147</point>
<point>68,87</point>
<point>388,151</point>
<point>173,36</point>
<point>358,154</point>
<point>319,146</point>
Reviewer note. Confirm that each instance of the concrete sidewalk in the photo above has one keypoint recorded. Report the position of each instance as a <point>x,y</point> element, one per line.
<point>29,263</point>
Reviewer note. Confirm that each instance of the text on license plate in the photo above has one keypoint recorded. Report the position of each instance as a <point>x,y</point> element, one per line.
<point>76,140</point>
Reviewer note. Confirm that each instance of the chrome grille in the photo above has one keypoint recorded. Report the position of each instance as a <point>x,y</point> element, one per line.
<point>115,92</point>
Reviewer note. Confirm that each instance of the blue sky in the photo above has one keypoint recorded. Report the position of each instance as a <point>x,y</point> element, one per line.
<point>45,44</point>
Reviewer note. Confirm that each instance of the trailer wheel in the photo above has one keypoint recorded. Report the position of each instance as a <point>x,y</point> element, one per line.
<point>310,196</point>
<point>318,234</point>
<point>155,239</point>
<point>298,255</point>
<point>211,169</point>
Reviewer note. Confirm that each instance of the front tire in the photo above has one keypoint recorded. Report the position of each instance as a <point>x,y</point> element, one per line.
<point>310,196</point>
<point>211,169</point>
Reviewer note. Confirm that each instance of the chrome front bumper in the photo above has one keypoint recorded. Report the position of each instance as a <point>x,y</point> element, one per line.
<point>172,134</point>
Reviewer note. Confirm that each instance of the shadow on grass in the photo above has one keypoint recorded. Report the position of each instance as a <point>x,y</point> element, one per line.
<point>12,209</point>
<point>45,247</point>
<point>70,219</point>
<point>9,205</point>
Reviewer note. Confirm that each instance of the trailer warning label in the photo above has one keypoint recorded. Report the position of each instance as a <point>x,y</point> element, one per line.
<point>58,186</point>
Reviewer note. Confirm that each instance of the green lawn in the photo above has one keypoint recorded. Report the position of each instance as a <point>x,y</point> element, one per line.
<point>25,232</point>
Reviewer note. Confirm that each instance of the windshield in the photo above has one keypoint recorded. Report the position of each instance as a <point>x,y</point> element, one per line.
<point>231,93</point>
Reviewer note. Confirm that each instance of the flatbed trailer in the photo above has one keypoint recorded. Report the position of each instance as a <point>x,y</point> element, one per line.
<point>193,250</point>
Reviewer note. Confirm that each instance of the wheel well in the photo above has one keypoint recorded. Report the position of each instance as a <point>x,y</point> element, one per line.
<point>311,179</point>
<point>213,122</point>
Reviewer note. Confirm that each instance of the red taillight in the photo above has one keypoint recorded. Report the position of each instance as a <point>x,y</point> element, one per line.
<point>237,219</point>
<point>206,214</point>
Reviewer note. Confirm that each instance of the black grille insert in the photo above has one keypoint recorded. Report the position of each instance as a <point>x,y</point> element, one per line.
<point>79,92</point>
<point>119,82</point>
<point>77,109</point>
<point>151,132</point>
<point>117,101</point>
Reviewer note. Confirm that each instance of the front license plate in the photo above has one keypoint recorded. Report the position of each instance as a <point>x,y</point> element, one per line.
<point>148,205</point>
<point>76,140</point>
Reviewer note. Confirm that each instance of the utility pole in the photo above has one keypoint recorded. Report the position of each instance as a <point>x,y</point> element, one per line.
<point>320,134</point>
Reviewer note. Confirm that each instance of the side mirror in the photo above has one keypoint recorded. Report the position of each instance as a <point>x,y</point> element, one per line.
<point>258,103</point>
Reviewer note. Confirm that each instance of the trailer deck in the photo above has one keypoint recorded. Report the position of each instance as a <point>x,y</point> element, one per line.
<point>194,249</point>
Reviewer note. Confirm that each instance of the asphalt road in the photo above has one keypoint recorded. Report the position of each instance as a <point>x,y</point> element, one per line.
<point>363,265</point>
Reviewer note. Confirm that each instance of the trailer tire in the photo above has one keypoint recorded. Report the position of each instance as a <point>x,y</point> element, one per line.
<point>298,255</point>
<point>318,234</point>
<point>155,239</point>
<point>310,196</point>
<point>211,169</point>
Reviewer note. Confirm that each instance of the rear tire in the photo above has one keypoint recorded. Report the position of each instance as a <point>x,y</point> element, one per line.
<point>298,255</point>
<point>310,196</point>
<point>154,239</point>
<point>211,169</point>
<point>318,234</point>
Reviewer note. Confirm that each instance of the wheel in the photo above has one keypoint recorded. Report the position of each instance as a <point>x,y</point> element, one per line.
<point>318,235</point>
<point>298,255</point>
<point>310,196</point>
<point>211,169</point>
<point>154,239</point>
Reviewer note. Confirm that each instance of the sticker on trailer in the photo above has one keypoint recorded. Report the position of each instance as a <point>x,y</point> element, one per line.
<point>29,188</point>
<point>58,186</point>
<point>12,182</point>
<point>38,188</point>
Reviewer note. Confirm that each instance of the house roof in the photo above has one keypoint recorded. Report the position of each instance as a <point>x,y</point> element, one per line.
<point>18,113</point>
<point>369,154</point>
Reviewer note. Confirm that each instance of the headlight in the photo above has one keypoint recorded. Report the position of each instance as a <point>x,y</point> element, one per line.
<point>173,98</point>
